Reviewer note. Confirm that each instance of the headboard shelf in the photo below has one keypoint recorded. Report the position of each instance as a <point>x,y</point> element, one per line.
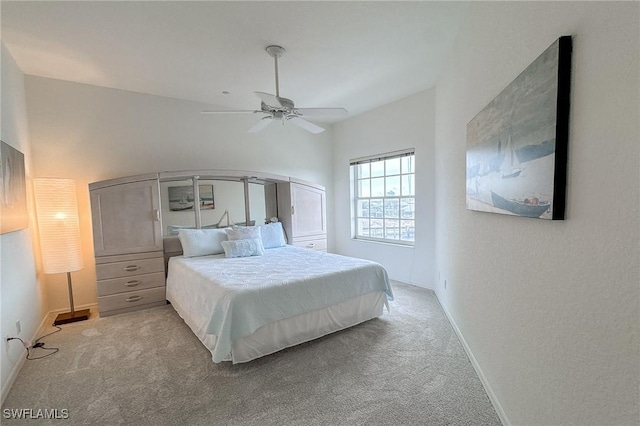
<point>222,174</point>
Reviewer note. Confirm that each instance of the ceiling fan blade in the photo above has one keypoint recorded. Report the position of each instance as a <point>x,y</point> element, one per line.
<point>317,112</point>
<point>308,126</point>
<point>244,111</point>
<point>260,125</point>
<point>271,100</point>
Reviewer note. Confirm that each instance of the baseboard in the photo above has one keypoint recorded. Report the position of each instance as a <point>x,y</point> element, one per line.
<point>18,365</point>
<point>485,383</point>
<point>92,306</point>
<point>413,284</point>
<point>46,322</point>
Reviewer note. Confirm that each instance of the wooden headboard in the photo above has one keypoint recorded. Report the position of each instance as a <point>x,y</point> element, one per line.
<point>172,247</point>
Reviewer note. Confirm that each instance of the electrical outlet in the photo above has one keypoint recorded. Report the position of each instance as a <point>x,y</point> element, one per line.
<point>18,328</point>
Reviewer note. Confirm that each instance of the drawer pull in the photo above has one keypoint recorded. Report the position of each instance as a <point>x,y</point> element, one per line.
<point>131,268</point>
<point>133,298</point>
<point>311,245</point>
<point>132,283</point>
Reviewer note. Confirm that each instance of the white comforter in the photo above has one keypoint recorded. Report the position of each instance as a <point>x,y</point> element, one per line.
<point>237,296</point>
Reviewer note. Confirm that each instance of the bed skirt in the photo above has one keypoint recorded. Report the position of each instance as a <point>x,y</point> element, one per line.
<point>292,331</point>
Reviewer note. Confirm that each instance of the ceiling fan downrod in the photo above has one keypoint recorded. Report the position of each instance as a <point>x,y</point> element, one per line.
<point>275,52</point>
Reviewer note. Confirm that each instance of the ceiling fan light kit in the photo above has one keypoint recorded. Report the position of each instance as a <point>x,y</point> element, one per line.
<point>284,109</point>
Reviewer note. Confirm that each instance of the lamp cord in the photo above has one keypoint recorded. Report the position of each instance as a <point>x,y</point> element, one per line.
<point>38,344</point>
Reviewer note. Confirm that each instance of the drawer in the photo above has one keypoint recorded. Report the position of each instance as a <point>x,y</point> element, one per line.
<point>129,268</point>
<point>131,299</point>
<point>137,282</point>
<point>316,244</point>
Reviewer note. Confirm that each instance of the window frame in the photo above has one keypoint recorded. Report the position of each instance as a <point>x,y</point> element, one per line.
<point>356,197</point>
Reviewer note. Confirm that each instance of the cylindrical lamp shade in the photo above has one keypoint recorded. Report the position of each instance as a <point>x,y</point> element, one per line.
<point>58,223</point>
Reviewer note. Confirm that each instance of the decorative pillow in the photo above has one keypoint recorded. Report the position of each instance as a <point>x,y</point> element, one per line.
<point>272,235</point>
<point>201,242</point>
<point>243,248</point>
<point>243,233</point>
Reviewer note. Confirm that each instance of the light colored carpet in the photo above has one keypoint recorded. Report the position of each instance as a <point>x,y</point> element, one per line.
<point>147,368</point>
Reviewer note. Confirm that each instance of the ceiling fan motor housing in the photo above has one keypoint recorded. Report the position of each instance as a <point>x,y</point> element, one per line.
<point>287,107</point>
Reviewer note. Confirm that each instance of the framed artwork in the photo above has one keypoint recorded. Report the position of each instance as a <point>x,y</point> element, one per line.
<point>13,190</point>
<point>181,197</point>
<point>517,145</point>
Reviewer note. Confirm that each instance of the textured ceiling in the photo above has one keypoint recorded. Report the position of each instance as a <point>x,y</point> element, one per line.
<point>357,55</point>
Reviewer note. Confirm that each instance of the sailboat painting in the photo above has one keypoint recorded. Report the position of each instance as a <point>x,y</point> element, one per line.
<point>13,191</point>
<point>517,145</point>
<point>181,197</point>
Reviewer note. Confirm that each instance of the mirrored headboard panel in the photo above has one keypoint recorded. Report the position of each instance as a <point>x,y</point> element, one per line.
<point>190,200</point>
<point>228,207</point>
<point>257,203</point>
<point>177,205</point>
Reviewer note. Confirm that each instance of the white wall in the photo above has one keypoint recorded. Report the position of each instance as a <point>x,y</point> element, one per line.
<point>407,123</point>
<point>549,310</point>
<point>21,292</point>
<point>91,133</point>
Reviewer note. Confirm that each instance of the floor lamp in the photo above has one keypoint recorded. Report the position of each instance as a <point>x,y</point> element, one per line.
<point>59,227</point>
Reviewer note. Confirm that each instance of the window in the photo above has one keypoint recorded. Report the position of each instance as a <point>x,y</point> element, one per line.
<point>384,197</point>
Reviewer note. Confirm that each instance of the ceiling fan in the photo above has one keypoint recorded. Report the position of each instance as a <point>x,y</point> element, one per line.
<point>278,108</point>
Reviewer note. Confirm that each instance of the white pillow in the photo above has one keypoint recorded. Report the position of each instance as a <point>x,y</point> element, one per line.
<point>243,248</point>
<point>201,242</point>
<point>272,235</point>
<point>243,233</point>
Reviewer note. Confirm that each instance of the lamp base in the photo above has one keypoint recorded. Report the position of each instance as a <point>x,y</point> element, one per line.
<point>68,317</point>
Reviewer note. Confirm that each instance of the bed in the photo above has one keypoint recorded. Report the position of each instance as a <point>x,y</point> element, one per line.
<point>243,308</point>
